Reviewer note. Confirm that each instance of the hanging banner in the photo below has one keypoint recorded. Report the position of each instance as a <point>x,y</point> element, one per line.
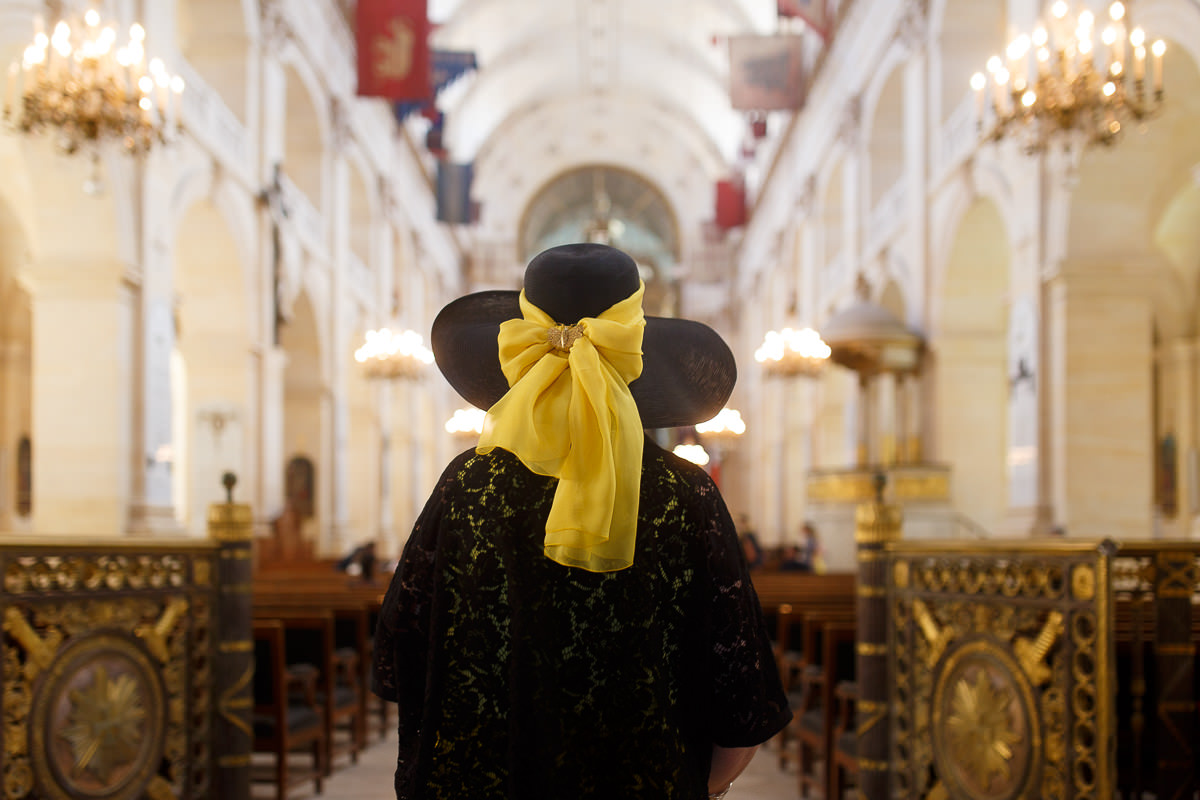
<point>454,192</point>
<point>766,73</point>
<point>730,204</point>
<point>446,67</point>
<point>815,13</point>
<point>393,49</point>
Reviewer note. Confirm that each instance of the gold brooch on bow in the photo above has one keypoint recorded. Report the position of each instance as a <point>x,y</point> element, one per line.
<point>561,337</point>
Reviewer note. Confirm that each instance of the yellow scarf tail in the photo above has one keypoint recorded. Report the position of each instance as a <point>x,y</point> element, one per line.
<point>569,414</point>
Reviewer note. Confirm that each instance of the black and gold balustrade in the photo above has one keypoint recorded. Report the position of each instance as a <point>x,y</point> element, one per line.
<point>110,674</point>
<point>107,669</point>
<point>1001,670</point>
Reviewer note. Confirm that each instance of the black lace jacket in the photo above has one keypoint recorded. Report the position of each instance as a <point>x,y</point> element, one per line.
<point>519,678</point>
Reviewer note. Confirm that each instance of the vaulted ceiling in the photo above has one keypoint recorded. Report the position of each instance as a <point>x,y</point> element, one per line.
<point>564,87</point>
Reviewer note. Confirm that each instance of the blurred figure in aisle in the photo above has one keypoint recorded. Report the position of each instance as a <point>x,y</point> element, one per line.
<point>751,548</point>
<point>811,551</point>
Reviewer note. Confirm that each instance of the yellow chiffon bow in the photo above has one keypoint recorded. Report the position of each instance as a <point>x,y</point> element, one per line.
<point>569,413</point>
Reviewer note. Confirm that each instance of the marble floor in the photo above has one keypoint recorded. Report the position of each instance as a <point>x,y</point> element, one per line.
<point>371,779</point>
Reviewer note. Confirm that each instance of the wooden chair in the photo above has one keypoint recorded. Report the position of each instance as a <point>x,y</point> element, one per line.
<point>790,663</point>
<point>845,740</point>
<point>310,639</point>
<point>829,649</point>
<point>286,715</point>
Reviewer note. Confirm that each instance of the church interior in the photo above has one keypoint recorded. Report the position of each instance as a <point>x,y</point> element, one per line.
<point>954,246</point>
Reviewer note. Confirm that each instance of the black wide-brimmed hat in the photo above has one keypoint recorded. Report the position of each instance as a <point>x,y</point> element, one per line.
<point>688,371</point>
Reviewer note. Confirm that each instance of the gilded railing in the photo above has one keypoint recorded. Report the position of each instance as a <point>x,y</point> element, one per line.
<point>107,669</point>
<point>126,666</point>
<point>1001,670</point>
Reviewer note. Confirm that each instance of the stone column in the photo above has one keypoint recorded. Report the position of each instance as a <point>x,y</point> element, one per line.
<point>863,433</point>
<point>151,507</point>
<point>83,335</point>
<point>885,407</point>
<point>1100,343</point>
<point>340,354</point>
<point>1181,356</point>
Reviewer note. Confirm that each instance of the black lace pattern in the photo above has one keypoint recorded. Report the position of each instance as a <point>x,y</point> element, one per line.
<point>519,678</point>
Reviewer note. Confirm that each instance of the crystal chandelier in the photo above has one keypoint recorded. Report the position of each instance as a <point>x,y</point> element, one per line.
<point>793,352</point>
<point>1068,81</point>
<point>78,86</point>
<point>388,354</point>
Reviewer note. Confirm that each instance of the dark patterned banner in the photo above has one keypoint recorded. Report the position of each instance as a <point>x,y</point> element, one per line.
<point>766,73</point>
<point>393,50</point>
<point>454,192</point>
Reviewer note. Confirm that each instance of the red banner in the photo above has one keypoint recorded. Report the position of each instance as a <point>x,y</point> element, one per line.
<point>393,49</point>
<point>731,204</point>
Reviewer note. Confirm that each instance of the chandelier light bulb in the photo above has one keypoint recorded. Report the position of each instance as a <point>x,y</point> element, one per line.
<point>1040,37</point>
<point>1059,9</point>
<point>693,453</point>
<point>466,421</point>
<point>1117,11</point>
<point>728,421</point>
<point>1158,48</point>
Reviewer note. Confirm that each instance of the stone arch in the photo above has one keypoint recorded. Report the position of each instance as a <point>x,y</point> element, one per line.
<point>307,411</point>
<point>361,212</point>
<point>830,230</point>
<point>215,38</point>
<point>306,130</point>
<point>212,382</point>
<point>885,145</point>
<point>1131,271</point>
<point>966,365</point>
<point>963,30</point>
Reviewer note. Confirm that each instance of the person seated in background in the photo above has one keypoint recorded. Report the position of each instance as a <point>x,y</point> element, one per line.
<point>791,559</point>
<point>360,561</point>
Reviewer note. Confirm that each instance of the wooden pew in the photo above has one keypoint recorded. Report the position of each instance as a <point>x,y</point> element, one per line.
<point>320,585</point>
<point>802,589</point>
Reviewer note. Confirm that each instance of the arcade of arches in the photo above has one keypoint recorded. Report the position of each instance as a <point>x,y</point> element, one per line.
<point>199,315</point>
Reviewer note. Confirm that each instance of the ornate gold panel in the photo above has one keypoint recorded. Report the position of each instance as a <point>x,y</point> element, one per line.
<point>106,671</point>
<point>1000,672</point>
